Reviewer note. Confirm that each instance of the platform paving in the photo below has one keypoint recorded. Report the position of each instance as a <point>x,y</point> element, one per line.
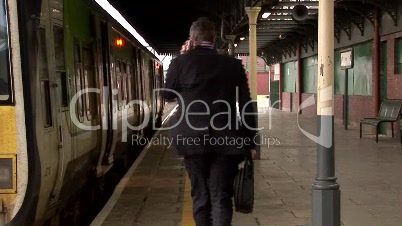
<point>369,175</point>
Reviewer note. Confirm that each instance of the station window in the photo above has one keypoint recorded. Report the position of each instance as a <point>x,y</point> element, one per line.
<point>44,80</point>
<point>398,56</point>
<point>5,84</point>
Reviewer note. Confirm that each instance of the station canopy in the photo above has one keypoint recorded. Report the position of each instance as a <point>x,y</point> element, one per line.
<point>165,24</point>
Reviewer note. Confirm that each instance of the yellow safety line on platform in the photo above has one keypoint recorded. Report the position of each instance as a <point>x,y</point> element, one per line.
<point>187,214</point>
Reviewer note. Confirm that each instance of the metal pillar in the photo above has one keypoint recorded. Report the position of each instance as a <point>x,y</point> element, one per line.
<point>325,189</point>
<point>252,13</point>
<point>299,76</point>
<point>231,39</point>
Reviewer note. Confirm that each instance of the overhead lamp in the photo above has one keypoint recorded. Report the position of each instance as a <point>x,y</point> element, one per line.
<point>235,45</point>
<point>119,42</point>
<point>265,15</point>
<point>242,38</point>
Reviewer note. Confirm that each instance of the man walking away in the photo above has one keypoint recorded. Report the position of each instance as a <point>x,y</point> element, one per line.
<point>207,131</point>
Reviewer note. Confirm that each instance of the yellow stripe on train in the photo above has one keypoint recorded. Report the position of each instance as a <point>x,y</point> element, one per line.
<point>8,155</point>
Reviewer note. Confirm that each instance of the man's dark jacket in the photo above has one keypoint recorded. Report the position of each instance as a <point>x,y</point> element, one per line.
<point>207,119</point>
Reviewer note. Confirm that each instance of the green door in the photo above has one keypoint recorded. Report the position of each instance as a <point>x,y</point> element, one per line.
<point>274,94</point>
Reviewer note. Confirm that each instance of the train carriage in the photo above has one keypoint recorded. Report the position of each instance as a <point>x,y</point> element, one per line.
<point>71,78</point>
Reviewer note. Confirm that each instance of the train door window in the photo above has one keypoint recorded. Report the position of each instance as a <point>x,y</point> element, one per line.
<point>5,83</point>
<point>89,82</point>
<point>139,76</point>
<point>123,83</point>
<point>58,35</point>
<point>134,77</point>
<point>78,79</point>
<point>118,65</point>
<point>44,80</point>
<point>118,83</point>
<point>123,67</point>
<point>129,82</point>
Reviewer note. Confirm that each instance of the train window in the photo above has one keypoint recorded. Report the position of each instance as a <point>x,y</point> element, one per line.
<point>58,35</point>
<point>128,88</point>
<point>128,84</point>
<point>119,90</point>
<point>89,82</point>
<point>46,108</point>
<point>140,77</point>
<point>43,67</point>
<point>5,84</point>
<point>78,79</point>
<point>123,90</point>
<point>44,79</point>
<point>118,65</point>
<point>123,67</point>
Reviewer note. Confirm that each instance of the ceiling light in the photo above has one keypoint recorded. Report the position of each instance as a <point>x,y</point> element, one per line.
<point>242,38</point>
<point>266,15</point>
<point>235,45</point>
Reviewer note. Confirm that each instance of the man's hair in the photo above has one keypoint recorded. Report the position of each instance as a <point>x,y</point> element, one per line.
<point>202,30</point>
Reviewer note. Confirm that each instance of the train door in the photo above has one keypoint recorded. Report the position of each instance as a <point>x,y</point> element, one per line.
<point>49,101</point>
<point>60,85</point>
<point>140,82</point>
<point>107,108</point>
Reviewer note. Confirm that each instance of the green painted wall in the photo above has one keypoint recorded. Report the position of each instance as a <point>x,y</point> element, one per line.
<point>339,74</point>
<point>310,71</point>
<point>361,75</point>
<point>289,76</point>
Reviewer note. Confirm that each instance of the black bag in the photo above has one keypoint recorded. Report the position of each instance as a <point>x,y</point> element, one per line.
<point>244,187</point>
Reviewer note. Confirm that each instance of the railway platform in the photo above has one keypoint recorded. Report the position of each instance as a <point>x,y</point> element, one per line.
<point>156,191</point>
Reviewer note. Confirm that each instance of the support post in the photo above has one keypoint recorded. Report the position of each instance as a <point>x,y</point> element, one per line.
<point>346,100</point>
<point>299,76</point>
<point>325,189</point>
<point>252,13</point>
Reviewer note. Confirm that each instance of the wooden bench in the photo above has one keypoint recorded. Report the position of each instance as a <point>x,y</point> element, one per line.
<point>389,113</point>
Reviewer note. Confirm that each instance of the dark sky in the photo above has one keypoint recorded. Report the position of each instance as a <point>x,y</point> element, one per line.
<point>163,21</point>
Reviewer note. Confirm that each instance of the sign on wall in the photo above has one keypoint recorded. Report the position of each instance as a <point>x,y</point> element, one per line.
<point>346,58</point>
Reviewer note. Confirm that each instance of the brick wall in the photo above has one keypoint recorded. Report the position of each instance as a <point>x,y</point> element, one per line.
<point>339,108</point>
<point>310,110</point>
<point>360,107</point>
<point>295,102</point>
<point>286,101</point>
<point>262,83</point>
<point>394,81</point>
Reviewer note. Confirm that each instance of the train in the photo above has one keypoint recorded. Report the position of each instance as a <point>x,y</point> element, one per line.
<point>75,85</point>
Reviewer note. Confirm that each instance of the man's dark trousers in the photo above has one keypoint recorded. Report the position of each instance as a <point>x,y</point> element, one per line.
<point>212,177</point>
